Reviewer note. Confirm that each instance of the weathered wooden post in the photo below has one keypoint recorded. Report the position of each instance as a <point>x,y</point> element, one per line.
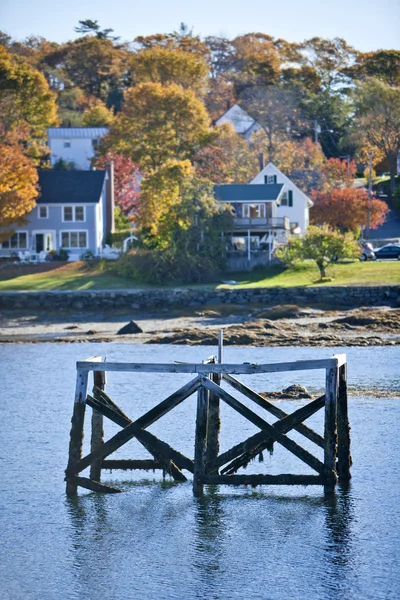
<point>77,423</point>
<point>343,428</point>
<point>331,393</point>
<point>214,422</point>
<point>97,438</point>
<point>200,447</point>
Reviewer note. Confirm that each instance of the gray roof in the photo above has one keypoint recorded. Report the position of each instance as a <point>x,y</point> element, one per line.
<point>62,133</point>
<point>70,187</point>
<point>248,193</point>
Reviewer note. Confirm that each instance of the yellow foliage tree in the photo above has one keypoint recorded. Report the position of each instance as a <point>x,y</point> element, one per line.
<point>18,188</point>
<point>157,124</point>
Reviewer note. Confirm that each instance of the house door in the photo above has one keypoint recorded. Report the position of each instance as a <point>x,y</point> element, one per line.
<point>43,241</point>
<point>39,242</point>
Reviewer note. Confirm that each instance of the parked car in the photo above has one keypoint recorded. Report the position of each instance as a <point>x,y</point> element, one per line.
<point>388,251</point>
<point>367,251</point>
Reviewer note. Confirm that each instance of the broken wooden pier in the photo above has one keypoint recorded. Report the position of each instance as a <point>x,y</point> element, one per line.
<point>208,465</point>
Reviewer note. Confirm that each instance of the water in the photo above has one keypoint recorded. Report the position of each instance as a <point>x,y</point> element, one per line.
<point>158,541</point>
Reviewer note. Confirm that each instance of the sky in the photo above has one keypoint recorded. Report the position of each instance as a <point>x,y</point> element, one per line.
<point>365,24</point>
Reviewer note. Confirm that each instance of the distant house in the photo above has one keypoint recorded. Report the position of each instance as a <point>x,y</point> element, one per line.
<point>293,204</point>
<point>241,122</point>
<point>266,212</point>
<point>74,144</point>
<point>74,213</point>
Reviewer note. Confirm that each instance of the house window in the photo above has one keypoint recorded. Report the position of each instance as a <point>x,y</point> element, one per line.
<point>73,239</point>
<point>74,213</point>
<point>67,144</point>
<point>254,211</point>
<point>79,213</point>
<point>270,179</point>
<point>17,241</point>
<point>287,198</point>
<point>43,212</point>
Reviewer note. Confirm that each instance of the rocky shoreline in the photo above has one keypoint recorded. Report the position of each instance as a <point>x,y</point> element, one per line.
<point>249,325</point>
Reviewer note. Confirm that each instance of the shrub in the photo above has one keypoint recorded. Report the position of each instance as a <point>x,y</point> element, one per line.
<point>150,266</point>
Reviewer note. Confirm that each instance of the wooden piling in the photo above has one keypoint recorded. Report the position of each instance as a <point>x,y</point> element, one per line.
<point>97,438</point>
<point>343,428</point>
<point>331,394</point>
<point>76,435</point>
<point>200,447</point>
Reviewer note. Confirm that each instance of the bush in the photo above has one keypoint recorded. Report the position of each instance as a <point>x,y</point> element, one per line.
<point>150,266</point>
<point>88,255</point>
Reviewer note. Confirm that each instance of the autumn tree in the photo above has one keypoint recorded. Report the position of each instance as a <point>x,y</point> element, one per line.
<point>157,124</point>
<point>337,173</point>
<point>94,65</point>
<point>168,66</point>
<point>256,62</point>
<point>382,64</point>
<point>220,96</point>
<point>180,223</point>
<point>227,159</point>
<point>97,115</point>
<point>27,106</point>
<point>18,187</point>
<point>277,111</point>
<point>322,245</point>
<point>348,209</point>
<point>377,120</point>
<point>126,181</point>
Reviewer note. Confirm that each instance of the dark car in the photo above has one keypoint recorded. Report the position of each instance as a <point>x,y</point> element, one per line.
<point>389,251</point>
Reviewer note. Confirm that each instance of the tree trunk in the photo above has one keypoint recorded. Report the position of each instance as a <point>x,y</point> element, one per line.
<point>392,157</point>
<point>321,268</point>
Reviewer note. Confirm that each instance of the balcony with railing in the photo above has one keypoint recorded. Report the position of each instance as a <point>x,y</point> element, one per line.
<point>262,222</point>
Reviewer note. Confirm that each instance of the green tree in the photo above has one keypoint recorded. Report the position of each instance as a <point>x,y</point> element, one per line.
<point>322,245</point>
<point>180,225</point>
<point>157,124</point>
<point>377,121</point>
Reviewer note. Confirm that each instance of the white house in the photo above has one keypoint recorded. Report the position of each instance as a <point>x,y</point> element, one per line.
<point>293,203</point>
<point>241,122</point>
<point>74,144</point>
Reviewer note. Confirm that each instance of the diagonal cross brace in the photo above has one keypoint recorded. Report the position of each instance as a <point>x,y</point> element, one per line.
<point>258,442</point>
<point>274,410</point>
<point>276,435</point>
<point>134,429</point>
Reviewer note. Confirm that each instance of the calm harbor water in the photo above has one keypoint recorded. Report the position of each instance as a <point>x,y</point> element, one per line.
<point>156,541</point>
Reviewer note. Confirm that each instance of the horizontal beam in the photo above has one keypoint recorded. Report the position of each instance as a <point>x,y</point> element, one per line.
<point>131,465</point>
<point>253,480</point>
<point>239,369</point>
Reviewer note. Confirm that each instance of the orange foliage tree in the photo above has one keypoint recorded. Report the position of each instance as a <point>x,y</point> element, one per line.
<point>347,209</point>
<point>18,188</point>
<point>337,173</point>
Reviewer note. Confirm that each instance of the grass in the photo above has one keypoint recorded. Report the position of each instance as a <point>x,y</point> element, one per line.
<point>100,276</point>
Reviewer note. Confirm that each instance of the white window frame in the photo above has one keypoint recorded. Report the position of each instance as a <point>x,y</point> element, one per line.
<point>270,179</point>
<point>260,207</point>
<point>17,233</point>
<point>74,207</point>
<point>284,199</point>
<point>41,208</point>
<point>78,231</point>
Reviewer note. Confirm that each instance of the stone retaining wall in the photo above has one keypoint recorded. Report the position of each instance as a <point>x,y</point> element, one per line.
<point>333,296</point>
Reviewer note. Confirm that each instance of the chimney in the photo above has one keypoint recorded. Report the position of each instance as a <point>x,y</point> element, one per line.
<point>110,203</point>
<point>261,160</point>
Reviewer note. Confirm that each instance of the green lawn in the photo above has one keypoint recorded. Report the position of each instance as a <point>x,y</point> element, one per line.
<point>81,276</point>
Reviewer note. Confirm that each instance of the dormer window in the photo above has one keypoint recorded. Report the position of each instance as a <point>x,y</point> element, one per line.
<point>270,179</point>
